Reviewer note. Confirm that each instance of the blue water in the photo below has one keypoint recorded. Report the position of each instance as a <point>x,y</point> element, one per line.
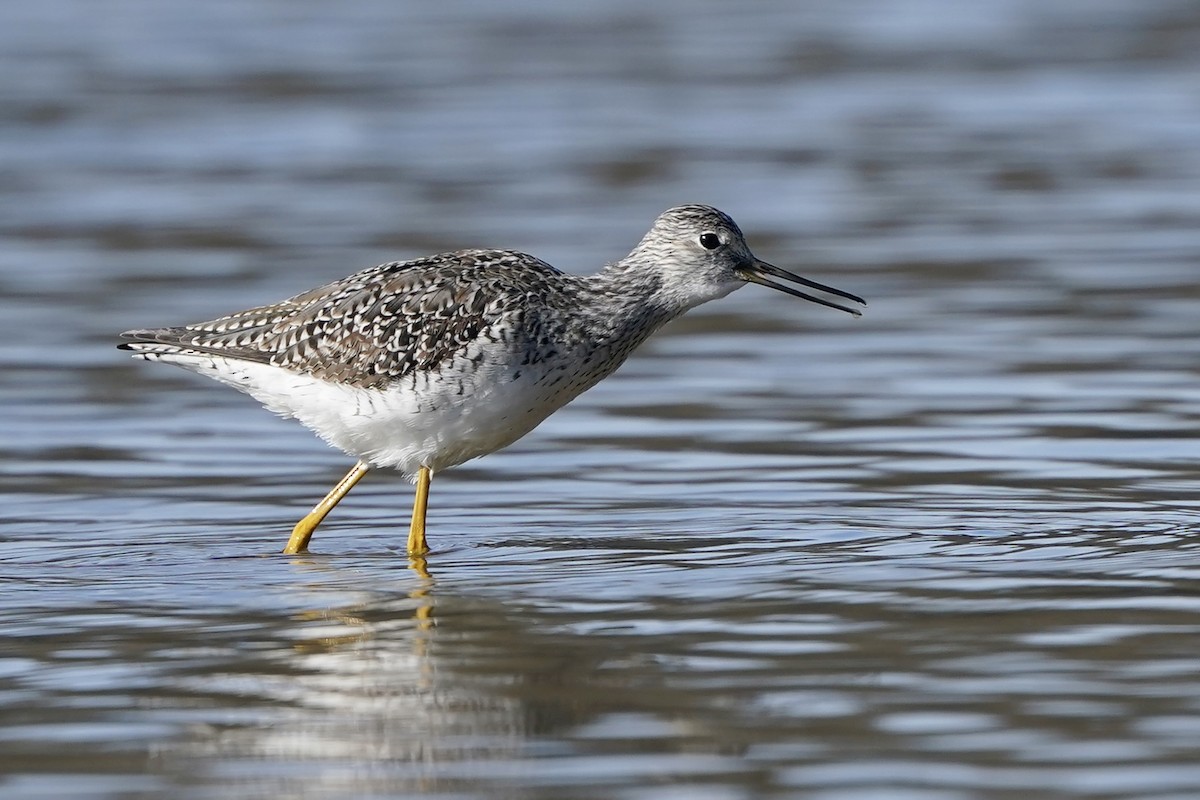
<point>946,551</point>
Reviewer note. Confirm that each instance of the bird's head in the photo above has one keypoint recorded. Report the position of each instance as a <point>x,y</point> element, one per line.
<point>700,254</point>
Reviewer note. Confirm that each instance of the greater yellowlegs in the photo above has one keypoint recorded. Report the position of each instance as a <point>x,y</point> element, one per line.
<point>422,365</point>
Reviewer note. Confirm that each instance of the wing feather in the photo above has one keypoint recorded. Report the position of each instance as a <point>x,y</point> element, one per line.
<point>379,325</point>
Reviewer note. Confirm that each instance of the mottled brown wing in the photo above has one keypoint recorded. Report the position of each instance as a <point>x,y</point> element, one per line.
<point>378,325</point>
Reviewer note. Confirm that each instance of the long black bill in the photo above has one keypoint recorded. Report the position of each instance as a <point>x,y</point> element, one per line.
<point>759,270</point>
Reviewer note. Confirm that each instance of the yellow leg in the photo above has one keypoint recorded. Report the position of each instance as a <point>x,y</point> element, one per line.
<point>305,527</point>
<point>417,546</point>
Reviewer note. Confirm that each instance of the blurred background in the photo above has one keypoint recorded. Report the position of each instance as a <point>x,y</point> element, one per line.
<point>945,551</point>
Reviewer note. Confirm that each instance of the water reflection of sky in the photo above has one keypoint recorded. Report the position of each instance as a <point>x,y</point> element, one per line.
<point>943,551</point>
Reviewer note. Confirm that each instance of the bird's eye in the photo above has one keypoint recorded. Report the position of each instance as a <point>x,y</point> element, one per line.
<point>710,241</point>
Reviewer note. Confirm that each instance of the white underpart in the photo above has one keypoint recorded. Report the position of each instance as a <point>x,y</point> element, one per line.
<point>421,421</point>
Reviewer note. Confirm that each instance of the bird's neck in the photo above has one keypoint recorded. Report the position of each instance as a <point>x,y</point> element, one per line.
<point>624,304</point>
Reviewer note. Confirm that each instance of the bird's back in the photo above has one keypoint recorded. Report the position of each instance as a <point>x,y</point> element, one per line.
<point>377,326</point>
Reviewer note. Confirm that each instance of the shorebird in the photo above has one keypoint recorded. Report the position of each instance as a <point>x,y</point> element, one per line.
<point>421,365</point>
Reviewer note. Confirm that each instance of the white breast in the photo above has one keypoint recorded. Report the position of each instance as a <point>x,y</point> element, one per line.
<point>470,407</point>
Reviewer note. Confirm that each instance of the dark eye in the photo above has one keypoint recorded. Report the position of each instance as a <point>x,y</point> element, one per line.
<point>710,241</point>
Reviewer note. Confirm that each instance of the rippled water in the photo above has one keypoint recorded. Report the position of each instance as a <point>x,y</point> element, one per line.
<point>946,551</point>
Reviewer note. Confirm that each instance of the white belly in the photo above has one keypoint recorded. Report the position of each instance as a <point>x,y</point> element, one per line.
<point>466,411</point>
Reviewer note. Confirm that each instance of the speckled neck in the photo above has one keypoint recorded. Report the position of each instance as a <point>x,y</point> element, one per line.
<point>625,304</point>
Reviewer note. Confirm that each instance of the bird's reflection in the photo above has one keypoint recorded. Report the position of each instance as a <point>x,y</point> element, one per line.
<point>399,667</point>
<point>422,595</point>
<point>360,628</point>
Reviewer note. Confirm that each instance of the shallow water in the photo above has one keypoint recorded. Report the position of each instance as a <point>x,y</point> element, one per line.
<point>946,551</point>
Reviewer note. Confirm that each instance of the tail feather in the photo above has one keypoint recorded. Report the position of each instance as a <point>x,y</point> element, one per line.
<point>156,344</point>
<point>141,336</point>
<point>174,346</point>
<point>159,344</point>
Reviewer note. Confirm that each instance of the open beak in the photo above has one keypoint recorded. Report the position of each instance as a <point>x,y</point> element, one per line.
<point>758,271</point>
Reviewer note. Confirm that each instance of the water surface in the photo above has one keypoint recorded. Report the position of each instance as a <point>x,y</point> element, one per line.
<point>945,551</point>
